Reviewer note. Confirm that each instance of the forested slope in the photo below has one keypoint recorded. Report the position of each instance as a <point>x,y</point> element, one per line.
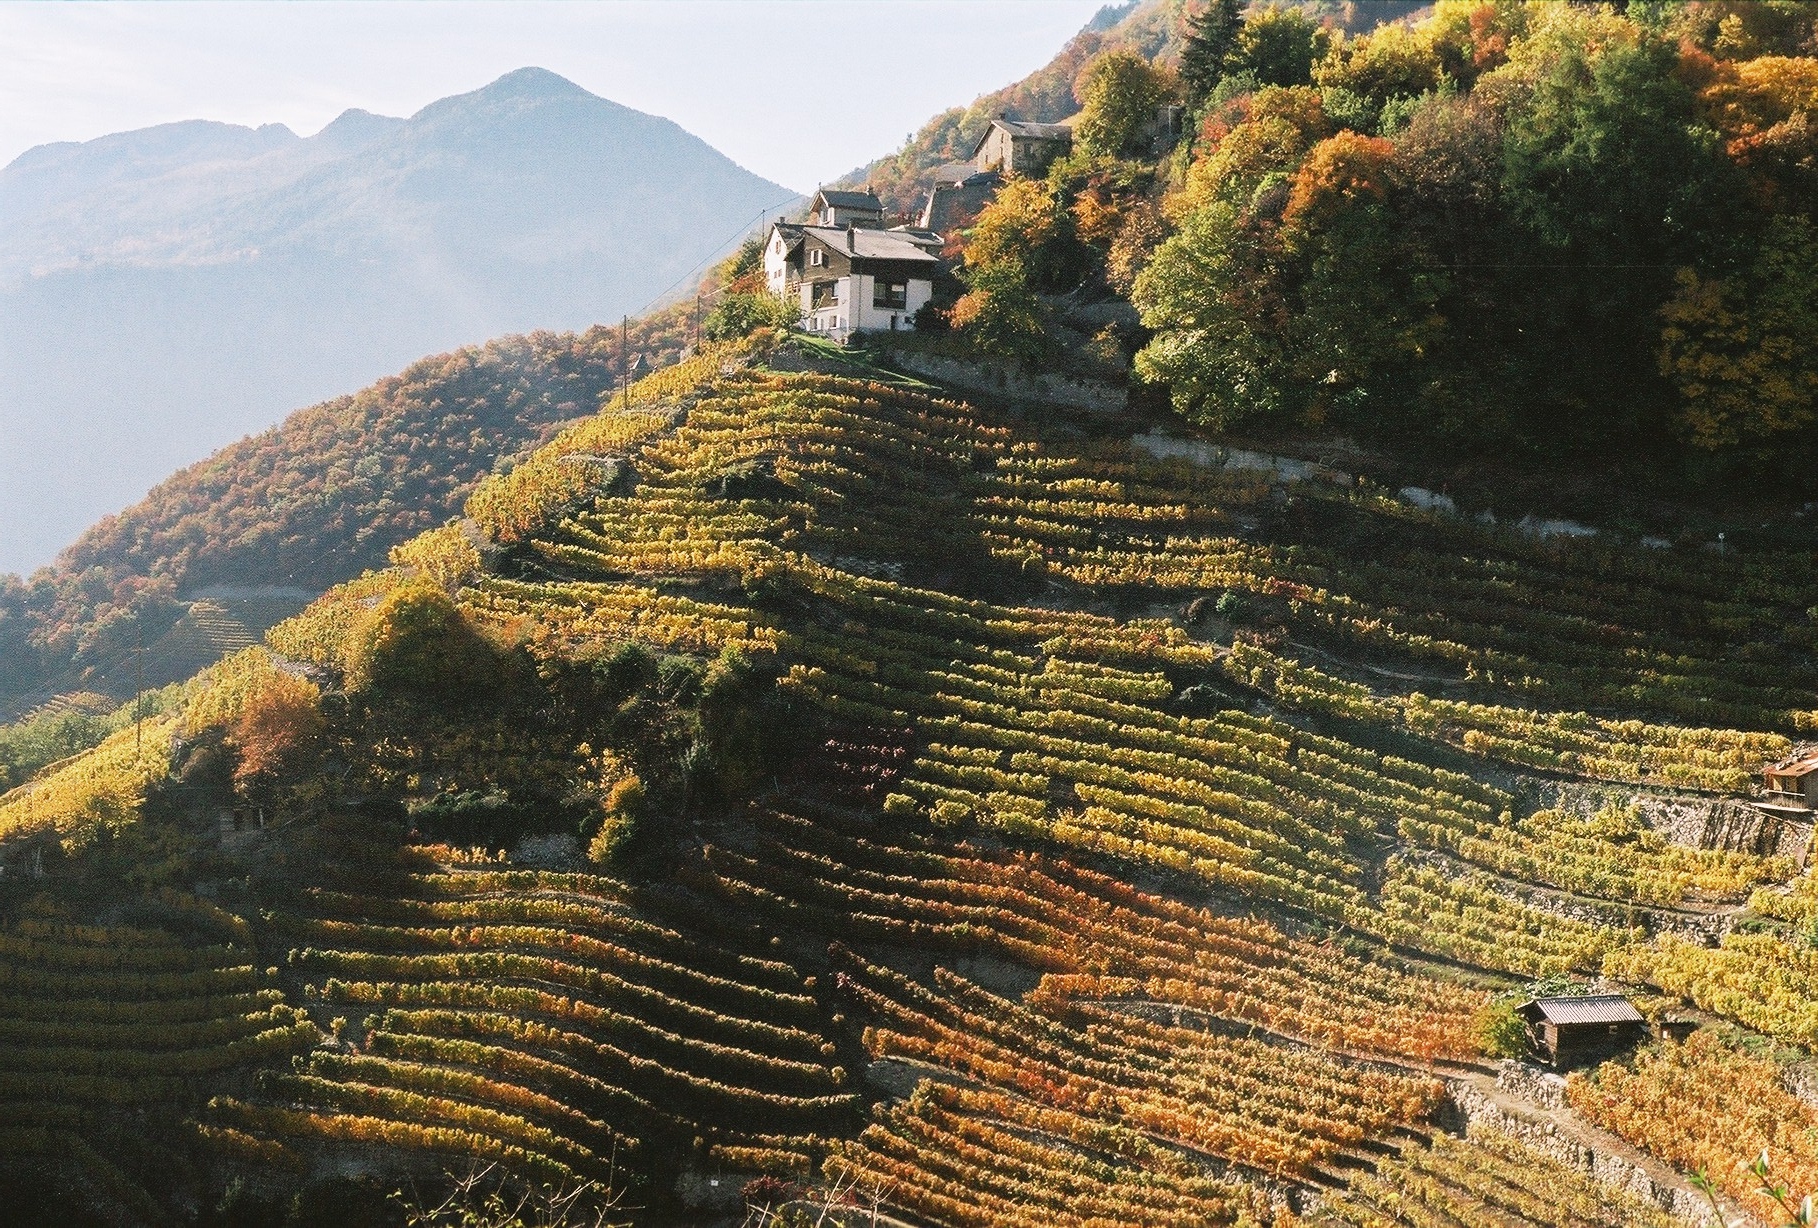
<point>316,499</point>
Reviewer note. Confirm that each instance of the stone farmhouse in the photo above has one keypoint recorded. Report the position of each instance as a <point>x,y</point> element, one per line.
<point>851,273</point>
<point>1007,147</point>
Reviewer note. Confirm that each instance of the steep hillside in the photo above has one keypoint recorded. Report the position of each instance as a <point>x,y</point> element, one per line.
<point>170,290</point>
<point>265,524</point>
<point>1152,29</point>
<point>887,802</point>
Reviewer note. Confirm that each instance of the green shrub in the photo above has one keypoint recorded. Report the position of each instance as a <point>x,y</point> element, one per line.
<point>1500,1031</point>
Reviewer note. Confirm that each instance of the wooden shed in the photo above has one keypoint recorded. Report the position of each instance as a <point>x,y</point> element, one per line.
<point>1572,1031</point>
<point>1795,779</point>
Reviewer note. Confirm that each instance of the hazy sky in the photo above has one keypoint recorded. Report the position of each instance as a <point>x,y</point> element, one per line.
<point>799,91</point>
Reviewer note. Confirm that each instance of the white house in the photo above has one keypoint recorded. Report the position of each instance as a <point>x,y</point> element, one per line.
<point>851,274</point>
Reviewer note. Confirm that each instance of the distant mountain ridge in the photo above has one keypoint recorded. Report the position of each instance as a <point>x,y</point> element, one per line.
<point>165,291</point>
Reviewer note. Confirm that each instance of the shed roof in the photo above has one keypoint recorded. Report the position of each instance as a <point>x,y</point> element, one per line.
<point>1597,1008</point>
<point>1802,764</point>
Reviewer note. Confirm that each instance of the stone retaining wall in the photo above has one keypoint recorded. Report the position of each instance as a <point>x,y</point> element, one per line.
<point>1605,1167</point>
<point>1698,822</point>
<point>1008,380</point>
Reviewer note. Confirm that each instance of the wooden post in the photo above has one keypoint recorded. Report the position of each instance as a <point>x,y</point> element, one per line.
<point>625,357</point>
<point>138,692</point>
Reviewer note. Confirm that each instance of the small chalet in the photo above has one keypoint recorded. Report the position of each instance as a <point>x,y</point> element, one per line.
<point>1572,1031</point>
<point>1794,781</point>
<point>851,274</point>
<point>1013,147</point>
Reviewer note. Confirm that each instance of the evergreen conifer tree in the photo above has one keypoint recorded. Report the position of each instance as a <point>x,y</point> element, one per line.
<point>1211,38</point>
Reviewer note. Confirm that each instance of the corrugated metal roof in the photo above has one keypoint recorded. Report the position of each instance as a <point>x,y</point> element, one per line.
<point>1798,764</point>
<point>1598,1008</point>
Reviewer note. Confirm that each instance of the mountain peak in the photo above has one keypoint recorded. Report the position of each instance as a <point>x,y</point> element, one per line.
<point>354,128</point>
<point>533,82</point>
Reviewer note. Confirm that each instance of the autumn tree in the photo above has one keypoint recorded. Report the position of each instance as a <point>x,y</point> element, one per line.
<point>1022,243</point>
<point>1120,93</point>
<point>1742,350</point>
<point>1391,64</point>
<point>279,724</point>
<point>415,643</point>
<point>1212,295</point>
<point>1767,112</point>
<point>1279,45</point>
<point>1365,302</point>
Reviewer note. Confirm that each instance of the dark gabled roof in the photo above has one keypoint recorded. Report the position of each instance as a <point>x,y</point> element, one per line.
<point>839,198</point>
<point>789,232</point>
<point>917,236</point>
<point>1041,132</point>
<point>954,172</point>
<point>871,244</point>
<point>1022,128</point>
<point>1596,1008</point>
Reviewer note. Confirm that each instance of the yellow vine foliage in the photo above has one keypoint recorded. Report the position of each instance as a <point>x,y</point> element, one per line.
<point>222,695</point>
<point>445,555</point>
<point>101,787</point>
<point>317,633</point>
<point>1707,1105</point>
<point>559,477</point>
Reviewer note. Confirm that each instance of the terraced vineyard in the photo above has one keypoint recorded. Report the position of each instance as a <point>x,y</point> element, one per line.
<point>1486,1178</point>
<point>1108,874</point>
<point>538,1019</point>
<point>100,1020</point>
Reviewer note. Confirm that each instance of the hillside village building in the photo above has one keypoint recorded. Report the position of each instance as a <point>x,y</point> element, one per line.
<point>959,190</point>
<point>850,272</point>
<point>1013,147</point>
<point>1566,1032</point>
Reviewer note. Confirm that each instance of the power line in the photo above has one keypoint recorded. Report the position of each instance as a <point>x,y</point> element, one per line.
<point>744,228</point>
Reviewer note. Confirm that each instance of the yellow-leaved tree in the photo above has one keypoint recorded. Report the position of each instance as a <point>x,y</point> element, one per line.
<point>1742,350</point>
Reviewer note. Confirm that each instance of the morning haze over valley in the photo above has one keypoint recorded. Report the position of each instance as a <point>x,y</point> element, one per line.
<point>1225,633</point>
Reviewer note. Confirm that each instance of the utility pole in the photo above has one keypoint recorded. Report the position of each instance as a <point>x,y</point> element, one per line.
<point>625,357</point>
<point>138,689</point>
<point>697,319</point>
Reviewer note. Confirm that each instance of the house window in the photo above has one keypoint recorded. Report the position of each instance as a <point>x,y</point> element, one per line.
<point>817,257</point>
<point>890,294</point>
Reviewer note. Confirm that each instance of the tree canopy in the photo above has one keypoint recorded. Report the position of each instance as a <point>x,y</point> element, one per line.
<point>1543,226</point>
